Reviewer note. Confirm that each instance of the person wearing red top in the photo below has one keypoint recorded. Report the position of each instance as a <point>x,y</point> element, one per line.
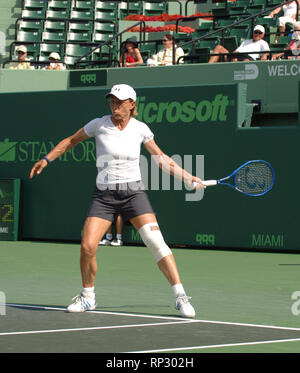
<point>130,54</point>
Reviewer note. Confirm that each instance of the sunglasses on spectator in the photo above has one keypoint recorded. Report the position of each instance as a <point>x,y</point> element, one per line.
<point>20,52</point>
<point>166,40</point>
<point>257,32</point>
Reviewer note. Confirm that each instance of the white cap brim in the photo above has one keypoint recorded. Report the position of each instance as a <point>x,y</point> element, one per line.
<point>122,92</point>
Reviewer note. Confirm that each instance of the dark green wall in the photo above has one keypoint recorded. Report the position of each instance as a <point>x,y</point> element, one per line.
<point>53,205</point>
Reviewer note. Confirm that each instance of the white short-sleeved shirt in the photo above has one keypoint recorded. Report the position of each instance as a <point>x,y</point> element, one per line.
<point>253,46</point>
<point>290,9</point>
<point>118,152</point>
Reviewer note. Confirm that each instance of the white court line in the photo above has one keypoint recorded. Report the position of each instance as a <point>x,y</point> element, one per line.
<point>101,312</point>
<point>177,319</point>
<point>216,346</point>
<point>89,328</point>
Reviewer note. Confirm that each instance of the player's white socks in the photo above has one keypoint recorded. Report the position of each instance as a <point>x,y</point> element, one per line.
<point>178,290</point>
<point>89,292</point>
<point>109,236</point>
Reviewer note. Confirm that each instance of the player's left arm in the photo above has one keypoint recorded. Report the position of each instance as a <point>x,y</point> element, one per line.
<point>168,165</point>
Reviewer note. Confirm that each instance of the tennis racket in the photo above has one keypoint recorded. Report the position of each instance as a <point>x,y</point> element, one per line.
<point>253,178</point>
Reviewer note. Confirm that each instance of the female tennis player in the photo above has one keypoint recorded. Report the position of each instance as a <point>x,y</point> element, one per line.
<point>119,190</point>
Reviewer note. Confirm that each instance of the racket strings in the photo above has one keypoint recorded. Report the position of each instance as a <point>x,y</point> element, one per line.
<point>254,178</point>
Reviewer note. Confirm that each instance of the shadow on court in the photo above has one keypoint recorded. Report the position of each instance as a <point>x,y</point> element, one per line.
<point>39,329</point>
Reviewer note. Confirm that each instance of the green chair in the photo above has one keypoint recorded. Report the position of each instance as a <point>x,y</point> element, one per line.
<point>54,26</point>
<point>81,15</point>
<point>59,4</point>
<point>47,48</point>
<point>83,5</point>
<point>34,4</point>
<point>152,9</point>
<point>57,14</point>
<point>105,27</point>
<point>231,43</point>
<point>73,51</point>
<point>33,14</point>
<point>30,25</point>
<point>106,6</point>
<point>99,37</point>
<point>79,36</point>
<point>29,36</point>
<point>126,9</point>
<point>54,36</point>
<point>80,26</point>
<point>106,16</point>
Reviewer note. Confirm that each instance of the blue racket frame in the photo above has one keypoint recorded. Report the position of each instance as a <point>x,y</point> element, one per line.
<point>233,174</point>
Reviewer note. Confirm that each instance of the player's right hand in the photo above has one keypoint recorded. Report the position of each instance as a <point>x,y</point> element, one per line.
<point>38,167</point>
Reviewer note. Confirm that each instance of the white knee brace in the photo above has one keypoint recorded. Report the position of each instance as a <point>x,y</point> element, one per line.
<point>153,239</point>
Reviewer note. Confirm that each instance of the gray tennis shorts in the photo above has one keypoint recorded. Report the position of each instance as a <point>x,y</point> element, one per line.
<point>127,199</point>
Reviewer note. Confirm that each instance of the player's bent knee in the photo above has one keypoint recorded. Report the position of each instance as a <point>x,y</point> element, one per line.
<point>88,249</point>
<point>153,239</point>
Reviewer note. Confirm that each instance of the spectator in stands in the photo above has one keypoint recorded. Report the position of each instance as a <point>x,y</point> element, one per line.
<point>108,240</point>
<point>293,49</point>
<point>21,51</point>
<point>256,44</point>
<point>54,59</point>
<point>289,16</point>
<point>130,53</point>
<point>165,56</point>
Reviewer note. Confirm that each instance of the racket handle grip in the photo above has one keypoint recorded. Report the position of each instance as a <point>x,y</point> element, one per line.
<point>209,182</point>
<point>206,183</point>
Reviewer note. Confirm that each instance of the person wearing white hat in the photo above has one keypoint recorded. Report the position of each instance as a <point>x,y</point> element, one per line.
<point>119,189</point>
<point>54,59</point>
<point>292,51</point>
<point>289,16</point>
<point>22,63</point>
<point>242,53</point>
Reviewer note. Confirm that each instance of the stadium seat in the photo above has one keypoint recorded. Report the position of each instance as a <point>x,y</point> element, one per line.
<point>151,9</point>
<point>34,4</point>
<point>30,26</point>
<point>81,15</point>
<point>106,6</point>
<point>28,36</point>
<point>106,16</point>
<point>57,14</point>
<point>54,26</point>
<point>33,14</point>
<point>231,43</point>
<point>105,27</point>
<point>54,36</point>
<point>47,48</point>
<point>83,5</point>
<point>73,51</point>
<point>80,26</point>
<point>130,8</point>
<point>99,37</point>
<point>59,4</point>
<point>83,36</point>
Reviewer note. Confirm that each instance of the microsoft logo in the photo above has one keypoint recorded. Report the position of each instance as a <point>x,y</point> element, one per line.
<point>7,150</point>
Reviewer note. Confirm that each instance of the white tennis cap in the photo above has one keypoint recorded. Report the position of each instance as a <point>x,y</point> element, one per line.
<point>122,92</point>
<point>259,28</point>
<point>55,56</point>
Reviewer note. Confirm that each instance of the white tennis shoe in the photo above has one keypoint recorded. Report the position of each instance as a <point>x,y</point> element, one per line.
<point>82,304</point>
<point>183,305</point>
<point>105,242</point>
<point>116,242</point>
